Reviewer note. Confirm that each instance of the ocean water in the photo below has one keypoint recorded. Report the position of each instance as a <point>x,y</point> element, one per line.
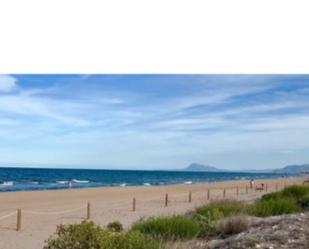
<point>27,179</point>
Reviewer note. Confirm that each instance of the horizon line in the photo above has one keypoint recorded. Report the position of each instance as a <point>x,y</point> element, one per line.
<point>139,169</point>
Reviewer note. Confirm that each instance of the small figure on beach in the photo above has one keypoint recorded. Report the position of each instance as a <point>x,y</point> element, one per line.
<point>251,184</point>
<point>70,183</point>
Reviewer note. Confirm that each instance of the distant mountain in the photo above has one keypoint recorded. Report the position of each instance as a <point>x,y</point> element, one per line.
<point>290,169</point>
<point>201,167</point>
<point>293,169</point>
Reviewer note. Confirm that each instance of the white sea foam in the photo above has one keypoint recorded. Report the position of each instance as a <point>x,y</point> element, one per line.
<point>62,182</point>
<point>80,181</point>
<point>123,185</point>
<point>147,184</point>
<point>35,183</point>
<point>6,184</point>
<point>188,182</point>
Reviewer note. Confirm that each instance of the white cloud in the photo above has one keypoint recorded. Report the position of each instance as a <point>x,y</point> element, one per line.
<point>207,126</point>
<point>30,106</point>
<point>7,83</point>
<point>215,94</point>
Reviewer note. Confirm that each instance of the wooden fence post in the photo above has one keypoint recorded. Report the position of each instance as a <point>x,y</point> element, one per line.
<point>246,189</point>
<point>266,187</point>
<point>134,205</point>
<point>166,200</point>
<point>18,224</point>
<point>88,211</point>
<point>190,197</point>
<point>237,190</point>
<point>208,194</point>
<point>224,193</point>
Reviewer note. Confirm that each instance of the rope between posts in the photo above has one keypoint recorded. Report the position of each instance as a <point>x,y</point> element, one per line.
<point>77,209</point>
<point>7,216</point>
<point>52,213</point>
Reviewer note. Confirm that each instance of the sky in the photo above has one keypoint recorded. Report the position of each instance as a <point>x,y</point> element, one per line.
<point>154,121</point>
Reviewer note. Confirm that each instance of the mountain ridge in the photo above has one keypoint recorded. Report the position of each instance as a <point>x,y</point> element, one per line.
<point>294,168</point>
<point>289,169</point>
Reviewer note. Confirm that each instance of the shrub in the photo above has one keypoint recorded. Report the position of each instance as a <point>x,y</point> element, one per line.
<point>295,192</point>
<point>271,207</point>
<point>232,225</point>
<point>212,213</point>
<point>297,195</point>
<point>115,226</point>
<point>220,209</point>
<point>169,228</point>
<point>90,236</point>
<point>304,202</point>
<point>136,240</point>
<point>274,195</point>
<point>84,235</point>
<point>207,226</point>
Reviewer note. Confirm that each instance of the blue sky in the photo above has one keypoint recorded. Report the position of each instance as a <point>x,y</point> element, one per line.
<point>154,121</point>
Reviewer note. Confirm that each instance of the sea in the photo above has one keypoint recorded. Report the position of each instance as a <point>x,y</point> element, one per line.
<point>30,179</point>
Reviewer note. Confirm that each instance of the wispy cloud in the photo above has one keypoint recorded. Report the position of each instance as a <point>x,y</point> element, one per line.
<point>154,120</point>
<point>37,107</point>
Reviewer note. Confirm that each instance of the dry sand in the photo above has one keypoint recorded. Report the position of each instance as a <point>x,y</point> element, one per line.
<point>42,211</point>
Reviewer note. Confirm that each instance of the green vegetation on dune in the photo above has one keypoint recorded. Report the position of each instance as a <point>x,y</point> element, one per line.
<point>273,207</point>
<point>304,202</point>
<point>169,228</point>
<point>207,225</point>
<point>220,218</point>
<point>292,192</point>
<point>292,199</point>
<point>295,192</point>
<point>221,209</point>
<point>90,236</point>
<point>272,196</point>
<point>225,216</point>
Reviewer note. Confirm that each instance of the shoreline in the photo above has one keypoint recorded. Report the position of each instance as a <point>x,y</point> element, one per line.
<point>42,211</point>
<point>2,189</point>
<point>210,185</point>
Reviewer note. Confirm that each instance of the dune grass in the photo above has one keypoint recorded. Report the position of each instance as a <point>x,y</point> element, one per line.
<point>295,192</point>
<point>292,192</point>
<point>271,207</point>
<point>201,223</point>
<point>292,199</point>
<point>229,216</point>
<point>220,209</point>
<point>169,228</point>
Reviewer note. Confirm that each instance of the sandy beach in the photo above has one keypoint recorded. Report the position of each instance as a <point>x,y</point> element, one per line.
<point>42,211</point>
